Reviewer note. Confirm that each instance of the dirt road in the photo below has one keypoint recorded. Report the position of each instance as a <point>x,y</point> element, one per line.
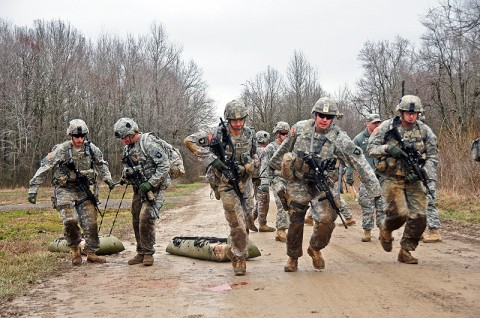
<point>360,279</point>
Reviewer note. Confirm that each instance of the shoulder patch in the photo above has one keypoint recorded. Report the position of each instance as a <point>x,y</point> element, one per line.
<point>159,155</point>
<point>202,141</point>
<point>357,151</point>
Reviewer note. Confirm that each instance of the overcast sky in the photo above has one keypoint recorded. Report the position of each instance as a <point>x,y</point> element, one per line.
<point>233,41</point>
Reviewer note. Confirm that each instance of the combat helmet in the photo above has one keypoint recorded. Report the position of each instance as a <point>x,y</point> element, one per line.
<point>77,127</point>
<point>124,127</point>
<point>262,136</point>
<point>410,103</point>
<point>235,110</point>
<point>326,105</point>
<point>281,126</point>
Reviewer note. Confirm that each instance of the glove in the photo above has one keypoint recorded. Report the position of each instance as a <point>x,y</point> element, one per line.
<point>396,152</point>
<point>411,177</point>
<point>144,188</point>
<point>349,180</point>
<point>110,184</point>
<point>32,198</point>
<point>219,165</point>
<point>264,187</point>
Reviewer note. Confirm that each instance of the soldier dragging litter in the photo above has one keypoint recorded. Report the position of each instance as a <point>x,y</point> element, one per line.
<point>146,167</point>
<point>308,159</point>
<point>227,152</point>
<point>75,164</point>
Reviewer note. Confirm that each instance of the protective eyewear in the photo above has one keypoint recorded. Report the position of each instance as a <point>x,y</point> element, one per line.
<point>283,133</point>
<point>79,135</point>
<point>325,116</point>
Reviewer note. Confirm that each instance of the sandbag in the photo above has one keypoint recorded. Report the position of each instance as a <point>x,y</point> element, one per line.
<point>206,248</point>
<point>109,244</point>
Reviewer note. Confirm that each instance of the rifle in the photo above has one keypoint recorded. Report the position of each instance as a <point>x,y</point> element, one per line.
<point>414,159</point>
<point>137,177</point>
<point>82,183</point>
<point>233,172</point>
<point>319,166</point>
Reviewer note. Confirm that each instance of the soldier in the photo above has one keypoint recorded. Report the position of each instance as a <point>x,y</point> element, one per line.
<point>262,197</point>
<point>367,204</point>
<point>75,164</point>
<point>404,193</point>
<point>274,178</point>
<point>317,140</point>
<point>146,167</point>
<point>238,140</point>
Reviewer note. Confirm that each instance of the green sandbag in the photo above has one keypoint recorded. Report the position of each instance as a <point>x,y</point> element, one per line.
<point>206,248</point>
<point>109,244</point>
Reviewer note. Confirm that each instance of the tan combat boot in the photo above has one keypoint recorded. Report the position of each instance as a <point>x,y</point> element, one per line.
<point>138,259</point>
<point>266,228</point>
<point>350,221</point>
<point>386,239</point>
<point>317,259</point>
<point>251,224</point>
<point>432,237</point>
<point>94,258</point>
<point>404,256</point>
<point>76,255</point>
<point>308,220</point>
<point>239,267</point>
<point>292,265</point>
<point>147,260</point>
<point>367,236</point>
<point>281,236</point>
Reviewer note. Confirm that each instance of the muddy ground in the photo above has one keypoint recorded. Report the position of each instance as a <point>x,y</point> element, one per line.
<point>360,279</point>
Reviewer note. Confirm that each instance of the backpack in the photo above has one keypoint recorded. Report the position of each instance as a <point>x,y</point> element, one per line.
<point>176,161</point>
<point>476,149</point>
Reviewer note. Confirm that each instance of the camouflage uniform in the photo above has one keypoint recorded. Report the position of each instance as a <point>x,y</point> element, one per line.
<point>77,211</point>
<point>332,144</point>
<point>368,204</point>
<point>275,179</point>
<point>148,154</point>
<point>245,148</point>
<point>406,201</point>
<point>262,199</point>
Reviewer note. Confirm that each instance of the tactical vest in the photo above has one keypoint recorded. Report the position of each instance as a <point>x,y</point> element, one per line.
<point>245,145</point>
<point>82,157</point>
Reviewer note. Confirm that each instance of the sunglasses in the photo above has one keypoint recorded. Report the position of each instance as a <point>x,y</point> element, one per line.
<point>283,133</point>
<point>325,116</point>
<point>79,135</point>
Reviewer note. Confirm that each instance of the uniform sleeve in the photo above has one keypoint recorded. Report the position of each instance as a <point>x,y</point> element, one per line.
<point>352,154</point>
<point>162,163</point>
<point>432,158</point>
<point>199,145</point>
<point>48,163</point>
<point>100,165</point>
<point>264,165</point>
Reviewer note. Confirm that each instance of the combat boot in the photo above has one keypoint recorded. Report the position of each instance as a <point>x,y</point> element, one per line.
<point>281,236</point>
<point>308,220</point>
<point>266,228</point>
<point>239,267</point>
<point>317,259</point>
<point>251,224</point>
<point>367,236</point>
<point>404,256</point>
<point>432,237</point>
<point>147,260</point>
<point>138,259</point>
<point>292,265</point>
<point>386,239</point>
<point>350,221</point>
<point>76,256</point>
<point>94,258</point>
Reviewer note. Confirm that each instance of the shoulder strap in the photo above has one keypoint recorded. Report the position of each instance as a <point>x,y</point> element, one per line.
<point>143,138</point>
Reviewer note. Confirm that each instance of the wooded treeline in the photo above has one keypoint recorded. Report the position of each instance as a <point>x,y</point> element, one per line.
<point>444,71</point>
<point>50,74</point>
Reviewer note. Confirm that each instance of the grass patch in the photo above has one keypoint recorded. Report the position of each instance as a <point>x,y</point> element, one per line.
<point>459,208</point>
<point>26,234</point>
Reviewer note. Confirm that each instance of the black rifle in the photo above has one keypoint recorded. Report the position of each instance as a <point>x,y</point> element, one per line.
<point>137,177</point>
<point>413,159</point>
<point>233,172</point>
<point>82,183</point>
<point>319,166</point>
